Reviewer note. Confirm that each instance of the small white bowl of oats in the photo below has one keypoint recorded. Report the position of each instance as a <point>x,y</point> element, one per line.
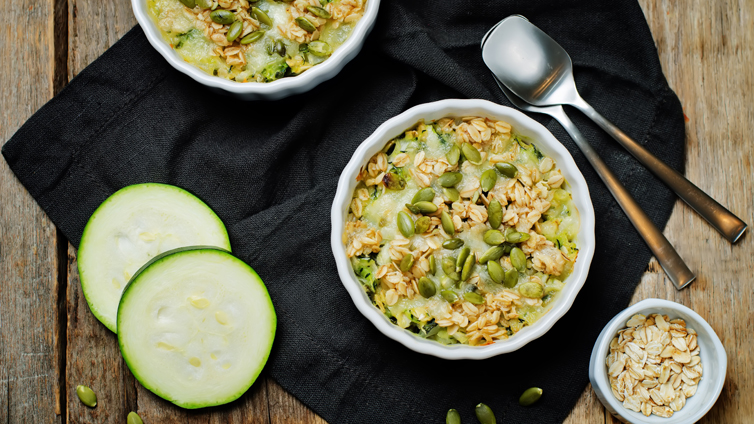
<point>658,362</point>
<point>462,229</point>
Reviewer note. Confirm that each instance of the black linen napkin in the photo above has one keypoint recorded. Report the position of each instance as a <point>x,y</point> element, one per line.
<point>269,169</point>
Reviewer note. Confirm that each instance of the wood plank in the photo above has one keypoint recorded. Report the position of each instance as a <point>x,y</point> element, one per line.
<point>285,409</point>
<point>31,348</point>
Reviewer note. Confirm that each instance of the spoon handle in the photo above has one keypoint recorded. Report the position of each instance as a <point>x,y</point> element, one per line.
<point>724,221</point>
<point>665,253</point>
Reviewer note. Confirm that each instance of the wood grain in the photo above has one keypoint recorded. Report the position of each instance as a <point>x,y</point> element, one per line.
<point>30,346</point>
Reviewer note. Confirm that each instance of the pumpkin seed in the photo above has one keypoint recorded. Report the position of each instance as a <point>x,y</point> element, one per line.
<point>452,244</point>
<point>495,214</point>
<point>468,266</point>
<point>461,260</point>
<point>87,396</point>
<point>261,16</point>
<point>319,12</point>
<point>475,198</point>
<point>516,237</point>
<point>427,287</point>
<point>189,3</point>
<point>494,237</point>
<point>496,271</point>
<point>484,414</point>
<point>423,195</point>
<point>414,210</point>
<point>432,265</point>
<point>487,180</point>
<point>305,24</point>
<point>453,155</point>
<point>134,418</point>
<point>471,153</point>
<point>474,298</point>
<point>392,180</point>
<point>234,31</point>
<point>447,282</point>
<point>405,224</point>
<point>425,207</point>
<point>508,169</point>
<point>447,223</point>
<point>280,50</point>
<point>407,262</point>
<point>320,48</point>
<point>511,278</point>
<point>452,194</point>
<point>254,36</point>
<point>222,16</point>
<point>204,4</point>
<point>449,268</point>
<point>492,254</point>
<point>449,295</point>
<point>530,396</point>
<point>453,417</point>
<point>531,290</point>
<point>422,224</point>
<point>518,259</point>
<point>449,179</point>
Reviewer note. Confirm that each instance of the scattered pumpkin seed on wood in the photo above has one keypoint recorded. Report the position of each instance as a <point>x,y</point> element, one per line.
<point>87,396</point>
<point>134,418</point>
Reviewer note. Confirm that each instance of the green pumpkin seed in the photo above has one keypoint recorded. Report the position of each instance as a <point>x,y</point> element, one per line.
<point>234,31</point>
<point>468,266</point>
<point>189,3</point>
<point>475,198</point>
<point>432,265</point>
<point>516,237</point>
<point>452,194</point>
<point>305,24</point>
<point>320,48</point>
<point>425,207</point>
<point>530,396</point>
<point>261,16</point>
<point>134,418</point>
<point>449,179</point>
<point>407,262</point>
<point>508,169</point>
<point>471,153</point>
<point>254,36</point>
<point>452,244</point>
<point>484,414</point>
<point>204,4</point>
<point>319,12</point>
<point>414,210</point>
<point>447,223</point>
<point>488,180</point>
<point>423,195</point>
<point>494,237</point>
<point>405,224</point>
<point>87,396</point>
<point>495,214</point>
<point>422,224</point>
<point>511,278</point>
<point>453,417</point>
<point>427,287</point>
<point>449,268</point>
<point>280,50</point>
<point>518,259</point>
<point>449,295</point>
<point>531,290</point>
<point>492,254</point>
<point>496,271</point>
<point>461,260</point>
<point>474,298</point>
<point>453,155</point>
<point>392,180</point>
<point>447,282</point>
<point>222,16</point>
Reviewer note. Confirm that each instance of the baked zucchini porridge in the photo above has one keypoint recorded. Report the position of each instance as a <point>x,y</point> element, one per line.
<point>462,231</point>
<point>260,41</point>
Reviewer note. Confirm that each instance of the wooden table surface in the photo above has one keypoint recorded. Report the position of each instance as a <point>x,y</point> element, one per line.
<point>50,342</point>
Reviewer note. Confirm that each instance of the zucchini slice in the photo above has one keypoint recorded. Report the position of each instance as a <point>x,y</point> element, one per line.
<point>131,227</point>
<point>195,326</point>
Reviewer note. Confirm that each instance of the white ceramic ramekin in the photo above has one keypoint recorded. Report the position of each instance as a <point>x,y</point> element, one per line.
<point>712,353</point>
<point>274,90</point>
<point>523,125</point>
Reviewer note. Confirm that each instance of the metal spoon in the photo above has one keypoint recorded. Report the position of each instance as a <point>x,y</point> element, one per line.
<point>539,71</point>
<point>666,255</point>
